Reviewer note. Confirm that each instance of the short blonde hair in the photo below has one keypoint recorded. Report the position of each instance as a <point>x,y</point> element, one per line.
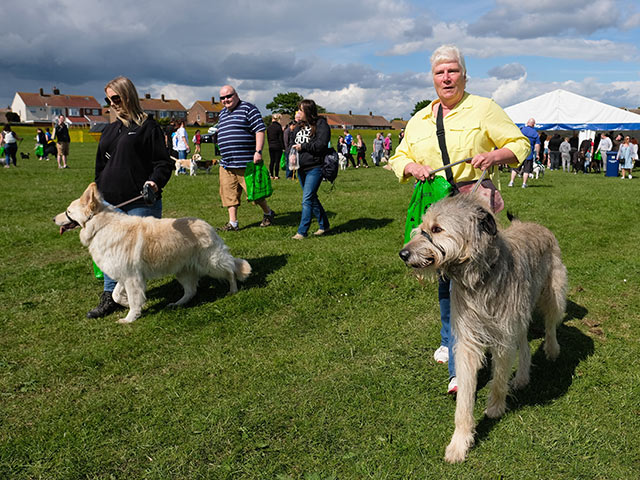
<point>130,100</point>
<point>448,53</point>
<point>276,117</point>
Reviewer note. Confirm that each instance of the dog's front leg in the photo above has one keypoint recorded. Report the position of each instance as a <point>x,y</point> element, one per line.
<point>468,363</point>
<point>135,288</point>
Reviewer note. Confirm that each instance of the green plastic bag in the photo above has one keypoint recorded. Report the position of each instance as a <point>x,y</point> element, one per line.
<point>1,151</point>
<point>597,156</point>
<point>39,151</point>
<point>354,150</point>
<point>283,161</point>
<point>97,272</point>
<point>424,195</point>
<point>258,182</point>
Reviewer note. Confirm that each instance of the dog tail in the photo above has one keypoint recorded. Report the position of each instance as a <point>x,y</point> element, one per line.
<point>512,217</point>
<point>242,269</point>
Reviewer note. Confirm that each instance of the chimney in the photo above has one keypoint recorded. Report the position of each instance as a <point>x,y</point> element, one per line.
<point>350,112</point>
<point>371,114</point>
<point>55,90</point>
<point>213,100</point>
<point>162,97</point>
<point>42,92</point>
<point>147,96</point>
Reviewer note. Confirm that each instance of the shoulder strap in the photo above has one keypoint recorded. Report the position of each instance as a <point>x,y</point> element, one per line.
<point>443,146</point>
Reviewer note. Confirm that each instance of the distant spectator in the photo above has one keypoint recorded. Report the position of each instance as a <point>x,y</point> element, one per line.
<point>47,133</point>
<point>527,164</point>
<point>400,135</point>
<point>387,146</point>
<point>10,140</point>
<point>41,142</point>
<point>625,157</point>
<point>348,140</point>
<point>181,142</point>
<point>362,150</point>
<point>289,138</point>
<point>275,138</point>
<point>544,141</point>
<point>565,152</point>
<point>634,145</point>
<point>197,139</point>
<point>617,141</point>
<point>605,145</point>
<point>61,134</point>
<point>378,149</point>
<point>554,152</point>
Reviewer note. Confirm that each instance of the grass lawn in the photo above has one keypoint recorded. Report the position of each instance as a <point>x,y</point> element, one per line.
<point>321,366</point>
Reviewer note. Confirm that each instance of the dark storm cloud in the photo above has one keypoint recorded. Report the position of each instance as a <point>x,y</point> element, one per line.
<point>510,71</point>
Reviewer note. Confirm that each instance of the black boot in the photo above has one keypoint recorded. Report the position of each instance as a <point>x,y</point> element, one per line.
<point>106,306</point>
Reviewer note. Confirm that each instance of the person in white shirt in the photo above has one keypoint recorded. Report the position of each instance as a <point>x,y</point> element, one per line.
<point>604,147</point>
<point>182,144</point>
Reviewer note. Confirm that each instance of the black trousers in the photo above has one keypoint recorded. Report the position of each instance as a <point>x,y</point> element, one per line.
<point>274,164</point>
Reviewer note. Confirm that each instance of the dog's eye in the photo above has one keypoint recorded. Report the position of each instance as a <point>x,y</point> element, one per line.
<point>436,229</point>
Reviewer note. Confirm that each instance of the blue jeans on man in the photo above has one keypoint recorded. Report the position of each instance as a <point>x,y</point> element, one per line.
<point>310,181</point>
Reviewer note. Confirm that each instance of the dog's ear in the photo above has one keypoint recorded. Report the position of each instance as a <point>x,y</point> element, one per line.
<point>93,199</point>
<point>487,223</point>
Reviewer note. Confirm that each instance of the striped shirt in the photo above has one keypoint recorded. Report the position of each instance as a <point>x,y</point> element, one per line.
<point>237,134</point>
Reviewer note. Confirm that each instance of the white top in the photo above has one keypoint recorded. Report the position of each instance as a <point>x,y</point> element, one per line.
<point>181,133</point>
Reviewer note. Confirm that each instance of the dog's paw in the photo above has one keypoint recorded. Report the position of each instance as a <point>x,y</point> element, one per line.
<point>519,381</point>
<point>495,410</point>
<point>458,448</point>
<point>128,319</point>
<point>551,350</point>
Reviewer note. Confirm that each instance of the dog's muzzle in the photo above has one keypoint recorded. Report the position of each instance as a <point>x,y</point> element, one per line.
<point>404,255</point>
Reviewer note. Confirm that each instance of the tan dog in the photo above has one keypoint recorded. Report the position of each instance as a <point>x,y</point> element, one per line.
<point>132,250</point>
<point>497,279</point>
<point>185,164</point>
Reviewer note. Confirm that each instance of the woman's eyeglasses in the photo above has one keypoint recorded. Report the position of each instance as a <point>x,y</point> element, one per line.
<point>115,99</point>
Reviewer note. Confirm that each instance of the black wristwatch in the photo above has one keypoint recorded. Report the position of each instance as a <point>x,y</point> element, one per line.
<point>259,151</point>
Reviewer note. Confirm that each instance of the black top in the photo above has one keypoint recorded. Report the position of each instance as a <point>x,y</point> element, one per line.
<point>129,156</point>
<point>275,136</point>
<point>61,132</point>
<point>314,148</point>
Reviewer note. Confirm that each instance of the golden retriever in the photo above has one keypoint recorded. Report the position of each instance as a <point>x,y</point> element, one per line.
<point>132,250</point>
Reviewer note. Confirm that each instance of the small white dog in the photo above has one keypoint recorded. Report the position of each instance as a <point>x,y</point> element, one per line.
<point>342,161</point>
<point>538,170</point>
<point>184,165</point>
<point>132,250</point>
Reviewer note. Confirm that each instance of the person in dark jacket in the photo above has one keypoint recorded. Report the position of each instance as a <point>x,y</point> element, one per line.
<point>131,153</point>
<point>275,138</point>
<point>312,136</point>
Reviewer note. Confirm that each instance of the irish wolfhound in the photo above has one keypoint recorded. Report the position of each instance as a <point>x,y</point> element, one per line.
<point>497,279</point>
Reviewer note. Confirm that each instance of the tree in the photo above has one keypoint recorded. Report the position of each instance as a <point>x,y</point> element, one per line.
<point>13,117</point>
<point>286,103</point>
<point>419,106</point>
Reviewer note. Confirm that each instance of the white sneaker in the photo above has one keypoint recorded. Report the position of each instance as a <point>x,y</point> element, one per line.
<point>630,177</point>
<point>453,386</point>
<point>441,355</point>
<point>510,184</point>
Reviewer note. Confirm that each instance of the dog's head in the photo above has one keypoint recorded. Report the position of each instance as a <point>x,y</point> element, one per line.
<point>80,211</point>
<point>196,157</point>
<point>453,232</point>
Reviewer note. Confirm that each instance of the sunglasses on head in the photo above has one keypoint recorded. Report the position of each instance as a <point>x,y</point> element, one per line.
<point>226,97</point>
<point>114,99</point>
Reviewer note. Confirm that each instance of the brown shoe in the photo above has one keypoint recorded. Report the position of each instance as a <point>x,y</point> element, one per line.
<point>267,219</point>
<point>228,228</point>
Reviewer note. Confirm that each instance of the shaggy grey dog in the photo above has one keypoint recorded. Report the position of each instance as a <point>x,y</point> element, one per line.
<point>498,277</point>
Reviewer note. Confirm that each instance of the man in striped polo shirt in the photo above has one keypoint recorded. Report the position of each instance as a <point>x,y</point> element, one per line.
<point>240,138</point>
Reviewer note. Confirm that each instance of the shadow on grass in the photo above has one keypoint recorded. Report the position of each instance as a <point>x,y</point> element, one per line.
<point>211,289</point>
<point>361,224</point>
<point>283,219</point>
<point>549,379</point>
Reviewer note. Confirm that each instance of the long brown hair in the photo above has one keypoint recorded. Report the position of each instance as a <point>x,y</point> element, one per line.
<point>310,110</point>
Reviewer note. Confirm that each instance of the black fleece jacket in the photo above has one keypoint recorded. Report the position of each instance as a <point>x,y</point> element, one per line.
<point>313,149</point>
<point>129,156</point>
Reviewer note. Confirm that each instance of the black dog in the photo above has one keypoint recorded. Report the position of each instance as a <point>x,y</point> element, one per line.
<point>24,156</point>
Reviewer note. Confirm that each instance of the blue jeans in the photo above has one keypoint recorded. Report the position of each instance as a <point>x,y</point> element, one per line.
<point>446,334</point>
<point>10,150</point>
<point>182,155</point>
<point>137,210</point>
<point>310,182</point>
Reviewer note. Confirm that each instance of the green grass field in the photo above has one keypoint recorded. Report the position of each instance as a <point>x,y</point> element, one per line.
<point>321,366</point>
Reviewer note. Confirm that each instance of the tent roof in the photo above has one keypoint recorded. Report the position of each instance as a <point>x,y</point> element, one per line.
<point>562,110</point>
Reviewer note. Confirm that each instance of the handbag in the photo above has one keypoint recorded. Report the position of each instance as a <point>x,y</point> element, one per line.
<point>256,177</point>
<point>425,194</point>
<point>486,188</point>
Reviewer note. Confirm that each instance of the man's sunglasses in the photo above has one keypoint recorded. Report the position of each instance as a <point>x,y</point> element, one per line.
<point>226,97</point>
<point>114,99</point>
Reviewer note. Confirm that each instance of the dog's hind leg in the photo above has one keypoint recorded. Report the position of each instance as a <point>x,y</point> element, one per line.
<point>521,378</point>
<point>135,288</point>
<point>502,360</point>
<point>119,295</point>
<point>468,362</point>
<point>189,282</point>
<point>552,303</point>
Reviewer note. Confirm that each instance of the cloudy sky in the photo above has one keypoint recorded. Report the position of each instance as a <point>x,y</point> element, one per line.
<point>362,55</point>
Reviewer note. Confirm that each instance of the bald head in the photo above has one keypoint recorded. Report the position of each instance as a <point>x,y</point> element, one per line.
<point>229,97</point>
<point>531,122</point>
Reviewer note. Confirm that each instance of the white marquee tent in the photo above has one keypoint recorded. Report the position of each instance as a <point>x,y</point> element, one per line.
<point>562,110</point>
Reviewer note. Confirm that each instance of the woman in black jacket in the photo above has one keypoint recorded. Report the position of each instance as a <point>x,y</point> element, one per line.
<point>131,154</point>
<point>312,136</point>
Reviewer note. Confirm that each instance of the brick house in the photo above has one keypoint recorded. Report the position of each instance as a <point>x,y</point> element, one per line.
<point>161,108</point>
<point>81,110</point>
<point>204,112</point>
<point>350,121</point>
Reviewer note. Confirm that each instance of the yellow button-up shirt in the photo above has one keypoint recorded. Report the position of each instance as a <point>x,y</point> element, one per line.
<point>476,125</point>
